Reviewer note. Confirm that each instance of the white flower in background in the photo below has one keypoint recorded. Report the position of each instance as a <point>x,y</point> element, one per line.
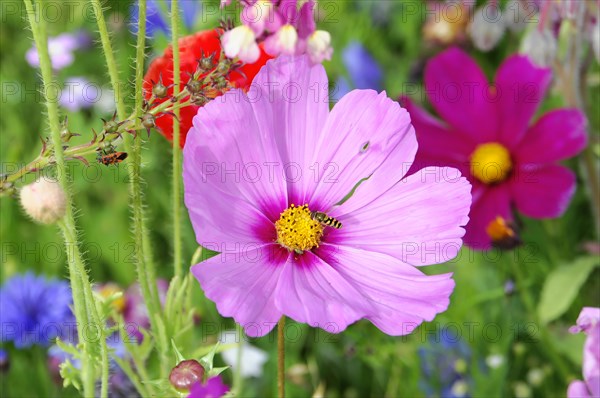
<point>494,361</point>
<point>253,359</point>
<point>44,201</point>
<point>241,42</point>
<point>487,28</point>
<point>540,47</point>
<point>519,13</point>
<point>318,46</point>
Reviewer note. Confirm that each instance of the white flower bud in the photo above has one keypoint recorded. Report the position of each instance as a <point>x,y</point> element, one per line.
<point>487,28</point>
<point>44,201</point>
<point>241,42</point>
<point>319,46</point>
<point>540,47</point>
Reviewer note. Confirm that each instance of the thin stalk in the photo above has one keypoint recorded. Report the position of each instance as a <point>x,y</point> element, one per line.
<point>145,267</point>
<point>177,250</point>
<point>238,380</point>
<point>281,358</point>
<point>83,301</point>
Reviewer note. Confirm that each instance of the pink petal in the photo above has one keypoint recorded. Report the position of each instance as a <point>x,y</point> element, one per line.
<point>311,291</point>
<point>401,295</point>
<point>216,159</point>
<point>438,145</point>
<point>419,220</point>
<point>543,191</point>
<point>558,135</point>
<point>458,90</point>
<point>521,87</point>
<point>290,100</point>
<point>242,284</point>
<point>488,203</point>
<point>362,131</point>
<point>578,389</point>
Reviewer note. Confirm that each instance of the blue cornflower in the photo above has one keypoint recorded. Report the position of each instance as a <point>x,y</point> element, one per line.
<point>158,20</point>
<point>363,70</point>
<point>445,363</point>
<point>35,310</point>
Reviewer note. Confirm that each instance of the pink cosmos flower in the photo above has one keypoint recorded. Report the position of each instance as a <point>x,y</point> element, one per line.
<point>589,323</point>
<point>257,164</point>
<point>488,136</point>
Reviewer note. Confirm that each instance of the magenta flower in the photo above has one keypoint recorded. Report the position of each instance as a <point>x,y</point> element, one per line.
<point>213,388</point>
<point>589,323</point>
<point>256,165</point>
<point>488,137</point>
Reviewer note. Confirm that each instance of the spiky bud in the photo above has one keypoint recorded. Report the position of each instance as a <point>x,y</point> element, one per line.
<point>194,86</point>
<point>159,90</point>
<point>44,201</point>
<point>186,374</point>
<point>148,121</point>
<point>224,66</point>
<point>206,64</point>
<point>220,83</point>
<point>199,99</point>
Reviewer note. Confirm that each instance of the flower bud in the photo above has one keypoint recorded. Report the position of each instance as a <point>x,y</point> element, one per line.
<point>186,374</point>
<point>540,47</point>
<point>44,201</point>
<point>487,28</point>
<point>159,90</point>
<point>319,46</point>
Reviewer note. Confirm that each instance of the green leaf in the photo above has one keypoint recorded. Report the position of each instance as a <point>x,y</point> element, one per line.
<point>561,287</point>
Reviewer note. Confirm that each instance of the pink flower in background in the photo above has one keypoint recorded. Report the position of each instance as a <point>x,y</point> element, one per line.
<point>588,323</point>
<point>286,27</point>
<point>60,49</point>
<point>257,165</point>
<point>135,312</point>
<point>213,388</point>
<point>488,135</point>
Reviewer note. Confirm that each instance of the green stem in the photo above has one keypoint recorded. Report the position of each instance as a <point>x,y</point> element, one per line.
<point>177,250</point>
<point>545,339</point>
<point>83,301</point>
<point>238,380</point>
<point>144,263</point>
<point>281,358</point>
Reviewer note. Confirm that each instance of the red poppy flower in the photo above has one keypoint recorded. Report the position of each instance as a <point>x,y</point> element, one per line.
<point>192,48</point>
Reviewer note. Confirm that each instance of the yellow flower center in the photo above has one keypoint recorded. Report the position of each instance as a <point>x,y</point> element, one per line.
<point>297,231</point>
<point>491,163</point>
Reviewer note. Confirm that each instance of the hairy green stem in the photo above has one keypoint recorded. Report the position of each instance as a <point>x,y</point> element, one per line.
<point>83,301</point>
<point>177,250</point>
<point>145,267</point>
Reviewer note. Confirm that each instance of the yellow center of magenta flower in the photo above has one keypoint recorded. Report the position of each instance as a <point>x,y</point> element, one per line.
<point>491,163</point>
<point>297,231</point>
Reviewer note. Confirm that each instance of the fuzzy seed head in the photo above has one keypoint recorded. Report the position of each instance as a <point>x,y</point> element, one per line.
<point>44,201</point>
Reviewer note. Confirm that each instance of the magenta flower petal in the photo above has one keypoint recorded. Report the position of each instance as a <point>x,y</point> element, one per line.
<point>292,112</point>
<point>242,284</point>
<point>311,291</point>
<point>362,130</point>
<point>459,92</point>
<point>558,135</point>
<point>488,203</point>
<point>521,87</point>
<point>543,191</point>
<point>220,157</point>
<point>429,234</point>
<point>403,297</point>
<point>438,146</point>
